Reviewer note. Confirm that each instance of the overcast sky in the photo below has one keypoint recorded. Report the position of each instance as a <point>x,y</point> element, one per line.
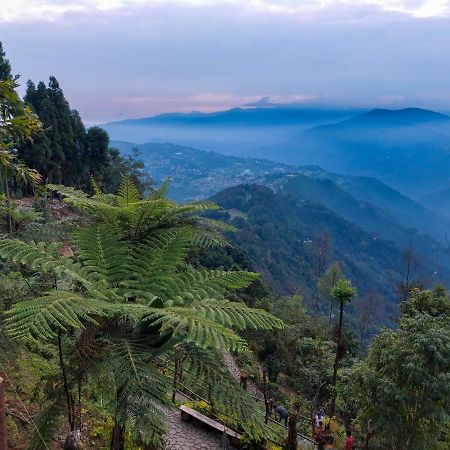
<point>133,58</point>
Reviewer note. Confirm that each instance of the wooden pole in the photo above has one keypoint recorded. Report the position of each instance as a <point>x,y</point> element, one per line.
<point>3,431</point>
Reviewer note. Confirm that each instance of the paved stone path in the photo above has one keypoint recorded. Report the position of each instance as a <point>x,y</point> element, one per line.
<point>236,374</point>
<point>187,436</point>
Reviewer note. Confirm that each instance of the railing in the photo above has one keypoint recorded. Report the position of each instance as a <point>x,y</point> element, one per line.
<point>180,388</point>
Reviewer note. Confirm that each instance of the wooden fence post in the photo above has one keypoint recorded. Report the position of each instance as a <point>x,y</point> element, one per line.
<point>3,431</point>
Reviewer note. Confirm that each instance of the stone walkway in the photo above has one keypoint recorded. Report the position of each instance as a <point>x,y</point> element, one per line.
<point>187,436</point>
<point>236,374</point>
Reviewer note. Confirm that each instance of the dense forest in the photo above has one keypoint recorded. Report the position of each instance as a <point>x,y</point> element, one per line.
<point>120,305</point>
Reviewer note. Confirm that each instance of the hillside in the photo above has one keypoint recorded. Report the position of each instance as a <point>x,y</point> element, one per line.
<point>197,174</point>
<point>364,200</point>
<point>401,148</point>
<point>277,232</point>
<point>438,201</point>
<point>373,219</point>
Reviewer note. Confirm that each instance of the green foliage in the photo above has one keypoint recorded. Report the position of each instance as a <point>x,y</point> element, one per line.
<point>128,294</point>
<point>403,386</point>
<point>68,153</point>
<point>343,291</point>
<point>5,66</point>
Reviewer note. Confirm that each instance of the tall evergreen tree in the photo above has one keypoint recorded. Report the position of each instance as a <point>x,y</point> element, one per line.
<point>68,153</point>
<point>96,156</point>
<point>38,154</point>
<point>64,136</point>
<point>5,66</point>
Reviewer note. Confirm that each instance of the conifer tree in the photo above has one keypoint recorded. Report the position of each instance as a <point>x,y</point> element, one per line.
<point>5,66</point>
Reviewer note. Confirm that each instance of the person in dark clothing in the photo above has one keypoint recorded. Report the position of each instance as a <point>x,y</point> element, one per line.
<point>282,413</point>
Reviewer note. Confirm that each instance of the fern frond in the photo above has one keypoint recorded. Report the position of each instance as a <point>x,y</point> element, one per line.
<point>217,225</point>
<point>187,324</point>
<point>236,315</point>
<point>41,256</point>
<point>97,191</point>
<point>208,238</point>
<point>128,193</point>
<point>189,209</point>
<point>157,258</point>
<point>161,192</point>
<point>145,215</point>
<point>103,253</point>
<point>45,258</point>
<point>190,285</point>
<point>141,389</point>
<point>100,206</point>
<point>41,317</point>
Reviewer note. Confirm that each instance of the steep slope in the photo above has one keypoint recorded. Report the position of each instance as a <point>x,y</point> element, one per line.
<point>366,201</point>
<point>407,212</point>
<point>392,220</point>
<point>409,149</point>
<point>277,232</point>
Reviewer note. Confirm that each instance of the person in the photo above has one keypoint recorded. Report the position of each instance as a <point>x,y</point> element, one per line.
<point>317,419</point>
<point>243,379</point>
<point>269,406</point>
<point>349,441</point>
<point>282,413</point>
<point>321,413</point>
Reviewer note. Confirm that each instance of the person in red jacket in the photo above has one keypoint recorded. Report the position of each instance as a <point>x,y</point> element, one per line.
<point>349,441</point>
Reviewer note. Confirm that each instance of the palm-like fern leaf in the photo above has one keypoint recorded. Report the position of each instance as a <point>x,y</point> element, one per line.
<point>45,258</point>
<point>141,389</point>
<point>236,315</point>
<point>103,253</point>
<point>99,205</point>
<point>187,324</point>
<point>41,317</point>
<point>128,193</point>
<point>190,285</point>
<point>209,323</point>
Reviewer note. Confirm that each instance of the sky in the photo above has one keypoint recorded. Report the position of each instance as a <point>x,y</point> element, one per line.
<point>119,59</point>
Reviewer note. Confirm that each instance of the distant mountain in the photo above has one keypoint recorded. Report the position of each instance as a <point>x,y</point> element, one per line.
<point>277,231</point>
<point>238,131</point>
<point>409,149</point>
<point>365,201</point>
<point>438,201</point>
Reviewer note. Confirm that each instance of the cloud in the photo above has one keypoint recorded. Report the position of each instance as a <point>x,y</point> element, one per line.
<point>131,58</point>
<point>13,10</point>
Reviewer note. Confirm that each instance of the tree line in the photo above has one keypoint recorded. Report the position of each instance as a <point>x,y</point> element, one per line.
<point>65,151</point>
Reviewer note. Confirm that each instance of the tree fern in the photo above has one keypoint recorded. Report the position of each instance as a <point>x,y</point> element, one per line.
<point>129,295</point>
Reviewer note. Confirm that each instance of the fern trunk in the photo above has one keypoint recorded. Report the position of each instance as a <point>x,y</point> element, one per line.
<point>336,360</point>
<point>8,201</point>
<point>118,437</point>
